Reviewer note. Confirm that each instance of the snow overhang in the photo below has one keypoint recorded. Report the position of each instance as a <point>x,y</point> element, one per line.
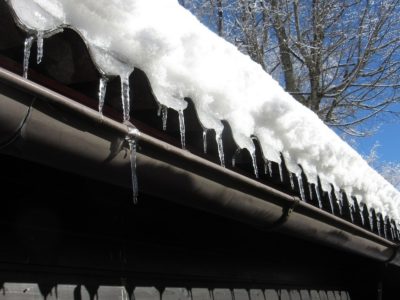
<point>36,121</point>
<point>181,59</point>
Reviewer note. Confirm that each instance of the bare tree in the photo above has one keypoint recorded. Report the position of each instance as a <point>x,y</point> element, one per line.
<point>340,58</point>
<point>390,170</point>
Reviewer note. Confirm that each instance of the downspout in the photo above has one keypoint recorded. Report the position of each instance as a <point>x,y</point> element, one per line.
<point>91,142</point>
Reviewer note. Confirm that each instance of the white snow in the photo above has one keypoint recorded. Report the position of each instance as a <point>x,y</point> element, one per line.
<point>182,58</point>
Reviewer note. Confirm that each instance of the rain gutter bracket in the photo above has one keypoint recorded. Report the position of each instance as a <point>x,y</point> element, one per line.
<point>17,133</point>
<point>286,212</point>
<point>396,254</point>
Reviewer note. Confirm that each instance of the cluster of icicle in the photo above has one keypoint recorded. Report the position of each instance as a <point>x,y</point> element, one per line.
<point>182,58</point>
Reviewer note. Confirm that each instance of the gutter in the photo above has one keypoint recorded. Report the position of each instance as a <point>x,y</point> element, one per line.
<point>82,141</point>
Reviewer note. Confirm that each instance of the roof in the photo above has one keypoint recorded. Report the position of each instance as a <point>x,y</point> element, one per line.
<point>94,144</point>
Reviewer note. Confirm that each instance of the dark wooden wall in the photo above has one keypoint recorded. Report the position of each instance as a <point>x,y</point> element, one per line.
<point>59,229</point>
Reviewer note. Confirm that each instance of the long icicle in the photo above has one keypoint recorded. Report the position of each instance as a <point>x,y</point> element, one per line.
<point>205,130</point>
<point>331,202</point>
<point>132,141</point>
<point>280,171</point>
<point>125,95</point>
<point>39,44</point>
<point>301,187</point>
<point>318,196</point>
<point>132,147</point>
<point>265,167</point>
<point>27,53</point>
<point>362,215</point>
<point>310,191</point>
<point>102,92</point>
<point>269,163</point>
<point>291,180</point>
<point>182,128</point>
<point>254,160</point>
<point>220,146</point>
<point>164,112</point>
<point>159,110</point>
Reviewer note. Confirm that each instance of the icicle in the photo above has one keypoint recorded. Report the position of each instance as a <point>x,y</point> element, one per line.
<point>331,202</point>
<point>385,233</point>
<point>132,147</point>
<point>318,197</point>
<point>301,188</point>
<point>269,163</point>
<point>220,145</point>
<point>291,180</point>
<point>362,215</point>
<point>280,171</point>
<point>237,151</point>
<point>340,203</point>
<point>125,96</point>
<point>391,230</point>
<point>102,92</point>
<point>39,43</point>
<point>254,160</point>
<point>164,112</point>
<point>27,53</point>
<point>159,110</point>
<point>131,139</point>
<point>371,221</point>
<point>182,128</point>
<point>352,210</point>
<point>205,130</point>
<point>310,191</point>
<point>378,225</point>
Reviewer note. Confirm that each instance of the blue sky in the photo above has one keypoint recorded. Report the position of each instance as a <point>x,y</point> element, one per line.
<point>388,138</point>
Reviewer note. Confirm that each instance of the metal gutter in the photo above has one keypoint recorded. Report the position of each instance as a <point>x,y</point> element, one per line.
<point>62,133</point>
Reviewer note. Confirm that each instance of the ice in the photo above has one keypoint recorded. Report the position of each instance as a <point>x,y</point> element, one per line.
<point>102,92</point>
<point>132,148</point>
<point>132,142</point>
<point>27,54</point>
<point>291,180</point>
<point>205,130</point>
<point>385,233</point>
<point>280,172</point>
<point>331,202</point>
<point>182,58</point>
<point>125,95</point>
<point>265,168</point>
<point>378,225</point>
<point>318,196</point>
<point>362,214</point>
<point>301,188</point>
<point>352,211</point>
<point>220,146</point>
<point>39,43</point>
<point>182,129</point>
<point>164,115</point>
<point>254,161</point>
<point>269,164</point>
<point>310,191</point>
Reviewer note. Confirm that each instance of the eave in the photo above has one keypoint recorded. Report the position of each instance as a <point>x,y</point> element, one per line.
<point>36,121</point>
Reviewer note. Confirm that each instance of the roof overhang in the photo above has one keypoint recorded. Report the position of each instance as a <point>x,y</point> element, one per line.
<point>40,125</point>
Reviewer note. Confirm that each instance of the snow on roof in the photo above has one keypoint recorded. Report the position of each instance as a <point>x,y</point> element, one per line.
<point>182,58</point>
